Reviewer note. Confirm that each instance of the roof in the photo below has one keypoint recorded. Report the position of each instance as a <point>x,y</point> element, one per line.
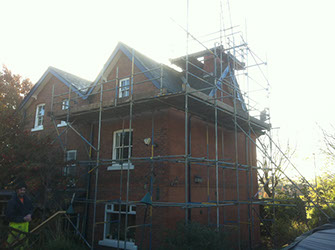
<point>78,84</point>
<point>171,79</point>
<point>321,238</point>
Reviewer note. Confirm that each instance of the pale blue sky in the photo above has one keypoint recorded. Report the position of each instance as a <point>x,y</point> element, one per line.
<point>296,37</point>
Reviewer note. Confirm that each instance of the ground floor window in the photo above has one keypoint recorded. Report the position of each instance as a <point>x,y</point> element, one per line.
<point>114,226</point>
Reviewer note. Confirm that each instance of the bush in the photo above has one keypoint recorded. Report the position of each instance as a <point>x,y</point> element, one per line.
<point>63,243</point>
<point>196,236</point>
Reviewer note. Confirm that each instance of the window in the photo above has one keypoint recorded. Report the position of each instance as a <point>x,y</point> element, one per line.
<point>65,106</point>
<point>70,168</point>
<point>124,88</point>
<point>111,227</point>
<point>121,148</point>
<point>39,117</point>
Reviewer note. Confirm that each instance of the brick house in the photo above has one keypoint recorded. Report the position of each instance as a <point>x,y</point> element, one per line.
<point>168,147</point>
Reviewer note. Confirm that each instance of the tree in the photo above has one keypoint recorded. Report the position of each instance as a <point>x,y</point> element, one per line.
<point>12,91</point>
<point>267,178</point>
<point>23,155</point>
<point>324,198</point>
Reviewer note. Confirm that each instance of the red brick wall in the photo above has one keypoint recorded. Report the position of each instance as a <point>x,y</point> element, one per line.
<point>168,129</point>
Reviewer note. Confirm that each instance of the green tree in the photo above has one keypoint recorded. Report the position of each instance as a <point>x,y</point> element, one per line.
<point>12,91</point>
<point>324,199</point>
<point>23,155</point>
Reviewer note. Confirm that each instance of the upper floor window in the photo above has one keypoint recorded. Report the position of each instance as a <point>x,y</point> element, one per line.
<point>65,104</point>
<point>39,116</point>
<point>124,88</point>
<point>121,147</point>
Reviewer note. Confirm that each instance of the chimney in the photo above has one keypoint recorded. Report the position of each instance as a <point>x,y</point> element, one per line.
<point>209,64</point>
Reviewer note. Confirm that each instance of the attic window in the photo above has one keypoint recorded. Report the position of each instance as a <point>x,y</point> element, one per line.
<point>124,88</point>
<point>201,59</point>
<point>65,104</point>
<point>39,116</point>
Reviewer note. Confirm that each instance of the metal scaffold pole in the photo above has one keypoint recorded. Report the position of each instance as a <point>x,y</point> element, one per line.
<point>216,146</point>
<point>129,143</point>
<point>236,158</point>
<point>186,123</point>
<point>97,167</point>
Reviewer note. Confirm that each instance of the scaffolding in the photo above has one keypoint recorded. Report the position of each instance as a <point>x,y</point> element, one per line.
<point>207,103</point>
<point>216,97</point>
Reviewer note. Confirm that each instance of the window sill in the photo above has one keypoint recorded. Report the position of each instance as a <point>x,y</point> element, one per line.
<point>37,129</point>
<point>118,166</point>
<point>113,243</point>
<point>61,125</point>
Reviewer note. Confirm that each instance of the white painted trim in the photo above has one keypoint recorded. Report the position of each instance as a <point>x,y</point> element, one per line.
<point>62,124</point>
<point>113,243</point>
<point>40,127</point>
<point>117,166</point>
<point>114,141</point>
<point>120,87</point>
<point>37,129</point>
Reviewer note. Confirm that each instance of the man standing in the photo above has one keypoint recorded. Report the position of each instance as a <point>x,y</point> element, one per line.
<point>19,211</point>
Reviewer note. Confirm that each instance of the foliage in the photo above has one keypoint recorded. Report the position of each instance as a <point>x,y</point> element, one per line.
<point>63,243</point>
<point>12,136</point>
<point>329,143</point>
<point>323,197</point>
<point>13,89</point>
<point>195,236</point>
<point>269,179</point>
<point>24,156</point>
<point>290,220</point>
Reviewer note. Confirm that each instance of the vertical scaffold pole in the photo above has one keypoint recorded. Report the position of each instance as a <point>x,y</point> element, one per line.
<point>186,121</point>
<point>97,166</point>
<point>52,99</point>
<point>208,179</point>
<point>129,143</point>
<point>216,145</point>
<point>223,179</point>
<point>161,79</point>
<point>249,158</point>
<point>236,157</point>
<point>121,185</point>
<point>67,125</point>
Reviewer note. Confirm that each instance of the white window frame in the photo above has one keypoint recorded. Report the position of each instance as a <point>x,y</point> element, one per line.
<point>109,208</point>
<point>116,165</point>
<point>38,116</point>
<point>66,170</point>
<point>124,89</point>
<point>65,106</point>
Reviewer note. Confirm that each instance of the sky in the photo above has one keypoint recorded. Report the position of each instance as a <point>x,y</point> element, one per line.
<point>295,38</point>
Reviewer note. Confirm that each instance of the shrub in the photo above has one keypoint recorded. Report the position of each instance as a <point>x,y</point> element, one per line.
<point>63,243</point>
<point>195,236</point>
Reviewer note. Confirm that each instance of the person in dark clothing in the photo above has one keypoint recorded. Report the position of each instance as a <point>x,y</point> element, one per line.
<point>19,211</point>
